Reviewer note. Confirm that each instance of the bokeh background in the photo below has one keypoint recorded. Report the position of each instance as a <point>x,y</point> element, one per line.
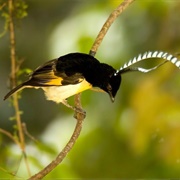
<point>137,136</point>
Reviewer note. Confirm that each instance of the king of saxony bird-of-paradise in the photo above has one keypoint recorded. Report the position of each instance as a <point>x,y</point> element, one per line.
<point>76,72</point>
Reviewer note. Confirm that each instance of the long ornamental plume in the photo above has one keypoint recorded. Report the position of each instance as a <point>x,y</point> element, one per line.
<point>147,55</point>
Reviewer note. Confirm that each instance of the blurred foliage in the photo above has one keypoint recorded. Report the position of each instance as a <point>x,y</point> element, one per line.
<point>19,12</point>
<point>136,137</point>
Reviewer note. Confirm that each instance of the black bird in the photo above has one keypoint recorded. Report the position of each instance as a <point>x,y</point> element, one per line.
<point>76,72</point>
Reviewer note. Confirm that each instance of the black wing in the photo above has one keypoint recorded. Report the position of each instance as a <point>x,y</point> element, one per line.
<point>57,72</point>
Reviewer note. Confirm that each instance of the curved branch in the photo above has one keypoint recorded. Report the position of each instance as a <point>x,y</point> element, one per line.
<point>80,117</point>
<point>108,24</point>
<point>79,113</point>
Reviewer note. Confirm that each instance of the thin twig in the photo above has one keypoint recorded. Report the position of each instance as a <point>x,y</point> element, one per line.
<point>13,80</point>
<point>28,134</point>
<point>13,73</point>
<point>10,136</point>
<point>2,6</point>
<point>10,173</point>
<point>107,25</point>
<point>80,114</point>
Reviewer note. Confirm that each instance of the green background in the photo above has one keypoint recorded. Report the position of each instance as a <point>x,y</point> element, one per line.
<point>137,136</point>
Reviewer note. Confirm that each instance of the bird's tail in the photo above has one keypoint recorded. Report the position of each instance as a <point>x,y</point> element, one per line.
<point>16,89</point>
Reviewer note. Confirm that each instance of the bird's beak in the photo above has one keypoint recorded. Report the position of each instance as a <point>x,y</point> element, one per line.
<point>111,96</point>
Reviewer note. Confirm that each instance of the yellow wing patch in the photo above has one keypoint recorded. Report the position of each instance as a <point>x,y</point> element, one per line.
<point>49,79</point>
<point>47,75</point>
<point>54,82</point>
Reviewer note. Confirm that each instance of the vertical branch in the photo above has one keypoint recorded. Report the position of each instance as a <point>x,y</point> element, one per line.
<point>13,73</point>
<point>12,44</point>
<point>14,68</point>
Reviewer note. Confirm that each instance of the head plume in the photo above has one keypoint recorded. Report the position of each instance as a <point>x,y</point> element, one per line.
<point>147,55</point>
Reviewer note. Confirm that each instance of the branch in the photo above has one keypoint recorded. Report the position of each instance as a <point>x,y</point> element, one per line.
<point>79,113</point>
<point>80,117</point>
<point>108,24</point>
<point>10,173</point>
<point>13,74</point>
<point>8,134</point>
<point>2,6</point>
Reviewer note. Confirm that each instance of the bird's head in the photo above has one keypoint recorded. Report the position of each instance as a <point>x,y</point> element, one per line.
<point>113,86</point>
<point>111,80</point>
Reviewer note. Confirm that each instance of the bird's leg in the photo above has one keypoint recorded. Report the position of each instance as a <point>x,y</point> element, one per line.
<point>64,102</point>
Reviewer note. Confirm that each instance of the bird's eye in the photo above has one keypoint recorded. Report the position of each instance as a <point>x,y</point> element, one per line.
<point>109,88</point>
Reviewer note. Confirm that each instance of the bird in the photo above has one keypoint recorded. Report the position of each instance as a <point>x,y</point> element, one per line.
<point>76,72</point>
